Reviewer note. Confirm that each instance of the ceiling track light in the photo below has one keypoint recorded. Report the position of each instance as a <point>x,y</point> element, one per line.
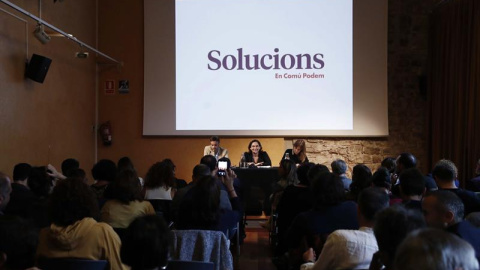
<point>40,34</point>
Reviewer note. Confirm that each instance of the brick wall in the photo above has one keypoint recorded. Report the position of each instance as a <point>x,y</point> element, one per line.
<point>407,60</point>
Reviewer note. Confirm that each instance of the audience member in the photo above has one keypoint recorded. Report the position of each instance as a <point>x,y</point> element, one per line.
<point>390,164</point>
<point>256,156</point>
<point>298,154</point>
<point>159,182</point>
<point>5,190</point>
<point>361,179</point>
<point>199,171</point>
<point>125,163</point>
<point>74,233</point>
<point>392,225</point>
<point>200,208</point>
<point>445,173</point>
<point>444,210</point>
<point>18,242</point>
<point>124,202</point>
<point>474,183</point>
<point>295,200</point>
<point>432,249</point>
<point>21,197</point>
<point>339,168</point>
<point>214,149</point>
<point>352,249</point>
<point>179,183</point>
<point>79,173</point>
<point>412,188</point>
<point>146,243</point>
<point>210,161</point>
<point>68,165</point>
<point>41,184</point>
<point>406,161</point>
<point>103,172</point>
<point>288,176</point>
<point>315,225</point>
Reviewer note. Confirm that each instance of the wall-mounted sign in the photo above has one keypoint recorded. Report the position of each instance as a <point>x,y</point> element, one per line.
<point>110,87</point>
<point>123,87</point>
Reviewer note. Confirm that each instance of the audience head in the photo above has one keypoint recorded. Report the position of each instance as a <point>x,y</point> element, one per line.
<point>444,171</point>
<point>300,149</point>
<point>474,219</point>
<point>214,143</point>
<point>125,163</point>
<point>405,161</point>
<point>371,201</point>
<point>21,172</point>
<point>255,147</point>
<point>39,182</point>
<point>302,173</point>
<point>200,171</point>
<point>71,200</point>
<point>160,175</point>
<point>433,249</point>
<point>288,171</point>
<point>125,188</point>
<point>339,167</point>
<point>316,170</point>
<point>327,189</point>
<point>68,165</point>
<point>390,164</point>
<point>413,183</point>
<point>210,161</point>
<point>104,170</point>
<point>170,163</point>
<point>381,178</point>
<point>442,208</point>
<point>18,243</point>
<point>5,190</point>
<point>145,243</point>
<point>392,225</point>
<point>361,179</point>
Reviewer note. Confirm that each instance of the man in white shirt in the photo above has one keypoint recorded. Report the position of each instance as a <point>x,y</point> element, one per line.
<point>214,149</point>
<point>352,249</point>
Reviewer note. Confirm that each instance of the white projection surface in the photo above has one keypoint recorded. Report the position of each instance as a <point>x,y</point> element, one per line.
<point>264,67</point>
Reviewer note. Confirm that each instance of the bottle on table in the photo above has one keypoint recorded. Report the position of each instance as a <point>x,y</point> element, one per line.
<point>242,161</point>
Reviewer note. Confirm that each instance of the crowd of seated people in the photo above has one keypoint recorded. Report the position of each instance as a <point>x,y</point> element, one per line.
<point>377,221</point>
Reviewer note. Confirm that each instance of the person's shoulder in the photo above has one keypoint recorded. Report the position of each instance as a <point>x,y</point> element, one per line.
<point>290,151</point>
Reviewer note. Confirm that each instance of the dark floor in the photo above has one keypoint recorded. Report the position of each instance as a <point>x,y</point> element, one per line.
<point>255,251</point>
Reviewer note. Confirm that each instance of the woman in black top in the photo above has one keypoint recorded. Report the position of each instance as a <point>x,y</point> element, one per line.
<point>256,156</point>
<point>298,154</point>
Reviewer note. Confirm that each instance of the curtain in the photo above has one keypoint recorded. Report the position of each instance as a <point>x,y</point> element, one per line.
<point>454,85</point>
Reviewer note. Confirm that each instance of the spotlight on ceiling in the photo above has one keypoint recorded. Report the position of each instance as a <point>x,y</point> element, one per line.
<point>41,35</point>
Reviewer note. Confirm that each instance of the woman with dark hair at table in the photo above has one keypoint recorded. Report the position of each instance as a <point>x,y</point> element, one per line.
<point>256,156</point>
<point>298,154</point>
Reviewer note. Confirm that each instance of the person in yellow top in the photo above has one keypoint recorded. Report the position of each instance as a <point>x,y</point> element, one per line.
<point>124,201</point>
<point>74,233</point>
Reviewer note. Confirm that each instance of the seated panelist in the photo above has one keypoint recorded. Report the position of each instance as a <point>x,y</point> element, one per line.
<point>298,154</point>
<point>214,149</point>
<point>256,156</point>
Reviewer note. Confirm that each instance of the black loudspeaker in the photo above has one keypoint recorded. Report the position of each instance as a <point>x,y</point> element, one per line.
<point>38,67</point>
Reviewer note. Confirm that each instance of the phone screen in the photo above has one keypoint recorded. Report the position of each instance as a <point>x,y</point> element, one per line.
<point>222,168</point>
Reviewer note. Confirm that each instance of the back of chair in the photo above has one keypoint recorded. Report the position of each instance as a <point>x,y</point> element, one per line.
<point>190,265</point>
<point>162,208</point>
<point>202,245</point>
<point>71,264</point>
